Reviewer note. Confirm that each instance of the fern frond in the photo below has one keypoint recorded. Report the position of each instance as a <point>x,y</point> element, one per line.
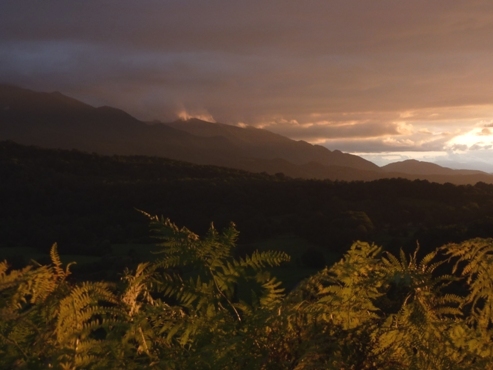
<point>273,292</point>
<point>56,262</point>
<point>476,258</point>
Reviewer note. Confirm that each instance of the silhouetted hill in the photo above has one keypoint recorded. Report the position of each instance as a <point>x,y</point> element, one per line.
<point>415,167</point>
<point>53,120</point>
<point>56,121</point>
<point>258,143</point>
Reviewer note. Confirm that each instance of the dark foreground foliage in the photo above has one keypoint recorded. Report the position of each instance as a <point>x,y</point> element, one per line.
<point>199,307</point>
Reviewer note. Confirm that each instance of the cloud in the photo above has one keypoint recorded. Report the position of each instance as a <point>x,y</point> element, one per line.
<point>484,132</point>
<point>480,146</point>
<point>312,131</point>
<point>204,116</point>
<point>385,55</point>
<point>354,75</point>
<point>458,148</point>
<point>406,114</point>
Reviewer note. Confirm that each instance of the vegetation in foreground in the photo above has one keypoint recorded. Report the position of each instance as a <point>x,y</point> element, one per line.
<point>200,307</point>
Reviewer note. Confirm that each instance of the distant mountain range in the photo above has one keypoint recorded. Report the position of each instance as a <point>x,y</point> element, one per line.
<point>53,120</point>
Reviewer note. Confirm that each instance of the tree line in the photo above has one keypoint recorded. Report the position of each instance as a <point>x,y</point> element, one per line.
<point>87,202</point>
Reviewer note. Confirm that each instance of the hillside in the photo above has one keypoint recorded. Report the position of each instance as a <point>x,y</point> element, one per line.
<point>53,120</point>
<point>415,167</point>
<point>87,201</point>
<point>56,121</point>
<point>263,144</point>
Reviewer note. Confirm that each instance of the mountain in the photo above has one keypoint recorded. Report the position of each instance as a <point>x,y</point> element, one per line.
<point>53,120</point>
<point>258,143</point>
<point>415,167</point>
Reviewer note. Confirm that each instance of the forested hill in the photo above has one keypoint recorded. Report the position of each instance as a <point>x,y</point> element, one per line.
<point>86,202</point>
<point>53,120</point>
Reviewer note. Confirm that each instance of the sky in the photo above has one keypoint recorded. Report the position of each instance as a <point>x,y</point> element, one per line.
<point>387,80</point>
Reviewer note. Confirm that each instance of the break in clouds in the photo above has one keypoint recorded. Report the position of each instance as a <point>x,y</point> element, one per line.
<point>372,78</point>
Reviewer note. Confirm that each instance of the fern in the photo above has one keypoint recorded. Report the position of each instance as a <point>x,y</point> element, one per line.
<point>474,263</point>
<point>214,272</point>
<point>417,335</point>
<point>474,260</point>
<point>353,286</point>
<point>201,306</point>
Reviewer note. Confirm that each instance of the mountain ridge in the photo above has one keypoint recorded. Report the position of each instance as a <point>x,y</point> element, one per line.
<point>54,120</point>
<point>269,145</point>
<point>413,166</point>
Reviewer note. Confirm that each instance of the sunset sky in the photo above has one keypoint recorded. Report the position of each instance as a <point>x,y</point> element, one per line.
<point>384,79</point>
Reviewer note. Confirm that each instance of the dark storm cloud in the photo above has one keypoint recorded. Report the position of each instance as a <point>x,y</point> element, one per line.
<point>339,69</point>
